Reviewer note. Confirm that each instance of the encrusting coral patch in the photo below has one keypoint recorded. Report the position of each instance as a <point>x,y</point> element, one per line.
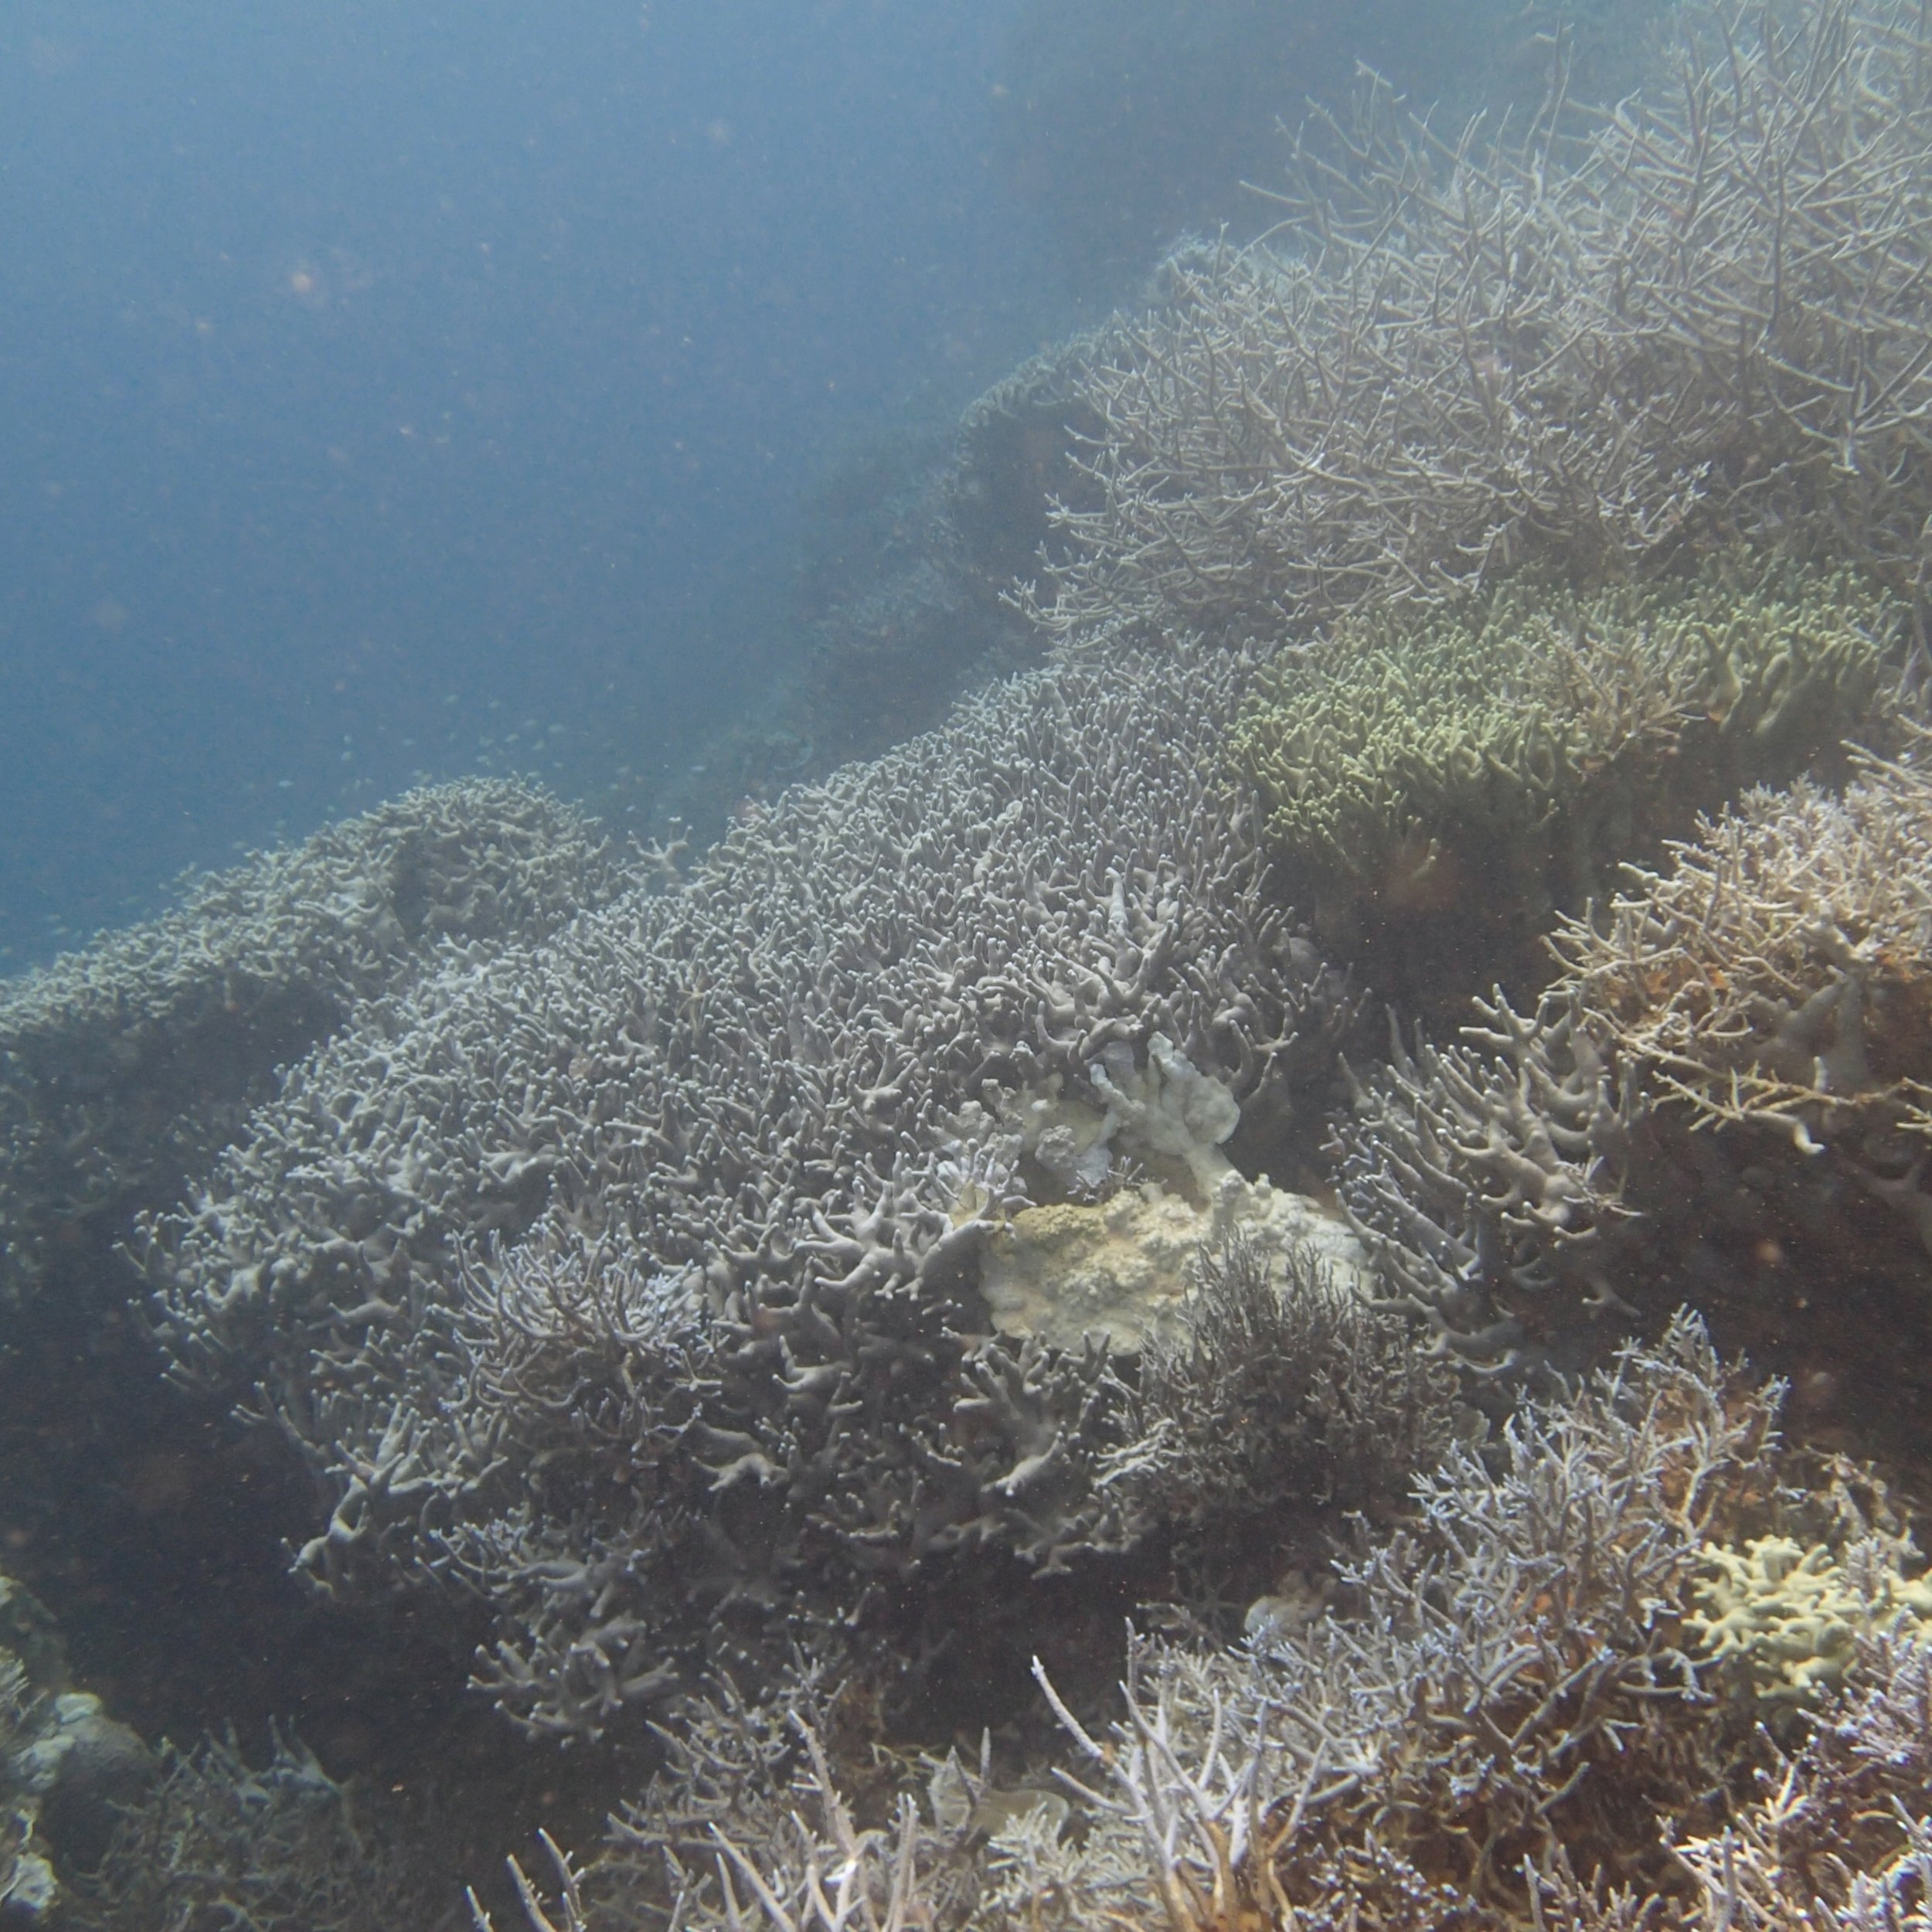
<point>1791,1620</point>
<point>1123,1268</point>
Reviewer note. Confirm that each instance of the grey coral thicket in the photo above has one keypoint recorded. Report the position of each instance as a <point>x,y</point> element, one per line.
<point>124,1068</point>
<point>1577,342</point>
<point>757,1118</point>
<point>1501,1717</point>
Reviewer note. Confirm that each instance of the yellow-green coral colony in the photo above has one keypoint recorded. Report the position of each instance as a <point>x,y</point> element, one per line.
<point>1546,735</point>
<point>1786,1620</point>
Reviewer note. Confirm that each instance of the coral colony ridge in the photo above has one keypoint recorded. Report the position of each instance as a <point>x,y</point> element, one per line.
<point>1368,1115</point>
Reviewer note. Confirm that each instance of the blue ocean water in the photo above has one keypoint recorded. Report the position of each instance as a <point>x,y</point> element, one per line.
<point>390,393</point>
<point>397,392</point>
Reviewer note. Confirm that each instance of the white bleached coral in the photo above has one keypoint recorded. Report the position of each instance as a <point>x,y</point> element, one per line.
<point>1163,1112</point>
<point>126,1066</point>
<point>763,1082</point>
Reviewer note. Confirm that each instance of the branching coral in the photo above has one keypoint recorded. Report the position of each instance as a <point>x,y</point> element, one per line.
<point>1780,973</point>
<point>1504,1680</point>
<point>1858,1798</point>
<point>1576,345</point>
<point>123,1068</point>
<point>759,1818</point>
<point>1284,1389</point>
<point>282,1847</point>
<point>1481,1177</point>
<point>1838,1835</point>
<point>1745,1886</point>
<point>624,1277</point>
<point>776,1098</point>
<point>1413,763</point>
<point>1768,995</point>
<point>1774,985</point>
<point>98,1834</point>
<point>1129,126</point>
<point>1495,1722</point>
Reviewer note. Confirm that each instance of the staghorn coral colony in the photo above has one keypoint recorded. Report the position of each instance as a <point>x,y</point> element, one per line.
<point>1367,1116</point>
<point>123,1070</point>
<point>1453,777</point>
